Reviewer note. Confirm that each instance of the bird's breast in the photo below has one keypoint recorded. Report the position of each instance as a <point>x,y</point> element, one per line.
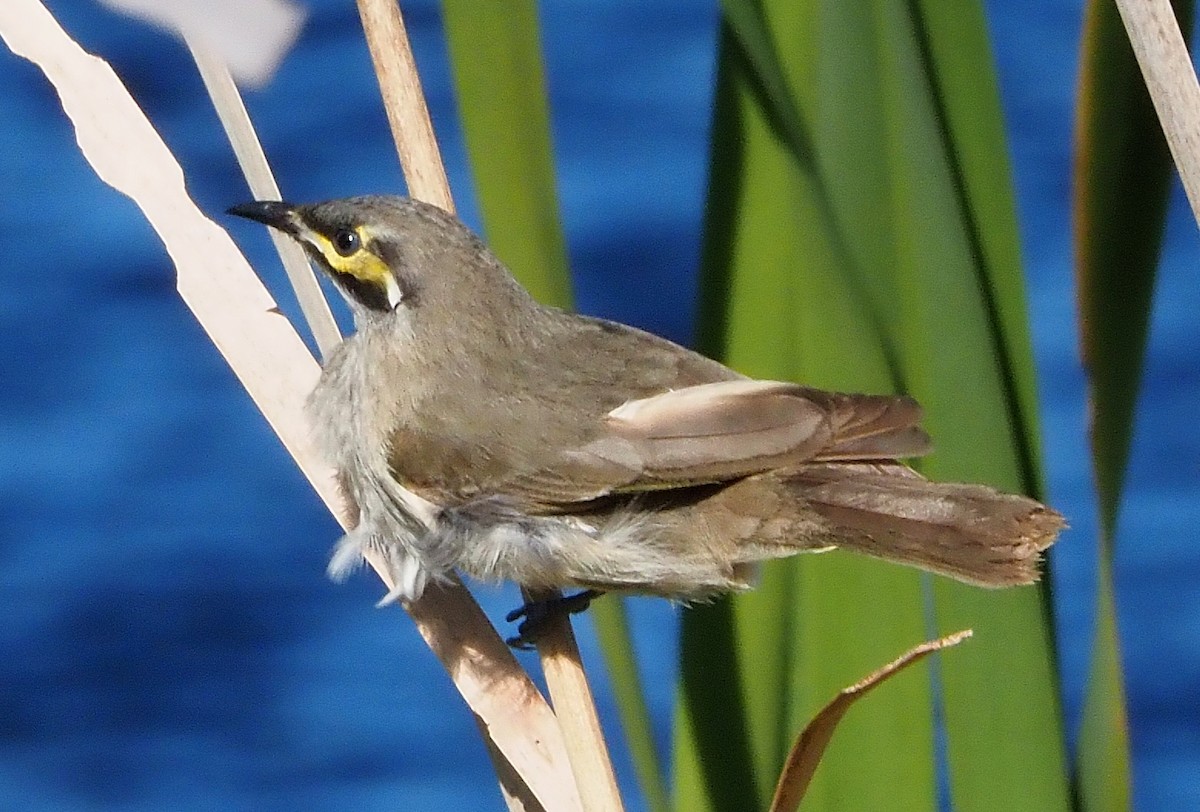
<point>348,413</point>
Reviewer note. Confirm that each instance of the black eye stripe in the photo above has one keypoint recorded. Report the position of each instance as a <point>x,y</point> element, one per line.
<point>345,241</point>
<point>370,296</point>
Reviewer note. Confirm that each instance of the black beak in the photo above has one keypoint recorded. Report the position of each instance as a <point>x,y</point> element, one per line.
<point>274,213</point>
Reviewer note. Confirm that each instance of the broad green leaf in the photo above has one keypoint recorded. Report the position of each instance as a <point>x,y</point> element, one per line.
<point>1122,177</point>
<point>777,304</point>
<point>966,91</point>
<point>1122,173</point>
<point>968,361</point>
<point>1102,761</point>
<point>782,90</point>
<point>861,235</point>
<point>497,60</point>
<point>496,54</point>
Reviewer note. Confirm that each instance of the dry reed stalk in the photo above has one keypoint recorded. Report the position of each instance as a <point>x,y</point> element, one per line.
<point>425,174</point>
<point>1166,66</point>
<point>275,367</point>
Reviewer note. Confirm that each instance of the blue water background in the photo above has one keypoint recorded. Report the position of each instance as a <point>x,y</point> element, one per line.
<point>169,640</point>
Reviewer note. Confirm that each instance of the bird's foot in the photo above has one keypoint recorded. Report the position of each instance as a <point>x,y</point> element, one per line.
<point>538,614</point>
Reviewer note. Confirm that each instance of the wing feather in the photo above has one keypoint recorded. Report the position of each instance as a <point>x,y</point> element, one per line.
<point>717,432</point>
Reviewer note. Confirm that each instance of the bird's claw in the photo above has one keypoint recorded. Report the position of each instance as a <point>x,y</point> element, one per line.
<point>538,614</point>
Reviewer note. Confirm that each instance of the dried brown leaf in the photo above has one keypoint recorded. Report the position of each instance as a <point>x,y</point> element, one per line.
<point>810,745</point>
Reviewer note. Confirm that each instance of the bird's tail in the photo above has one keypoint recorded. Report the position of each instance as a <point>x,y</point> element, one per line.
<point>972,533</point>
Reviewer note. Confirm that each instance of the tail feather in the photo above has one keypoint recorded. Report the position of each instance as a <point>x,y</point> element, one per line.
<point>972,533</point>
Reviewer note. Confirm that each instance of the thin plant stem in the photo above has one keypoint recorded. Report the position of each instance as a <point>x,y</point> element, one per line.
<point>425,174</point>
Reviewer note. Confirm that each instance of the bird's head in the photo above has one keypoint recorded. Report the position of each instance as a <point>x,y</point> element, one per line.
<point>388,253</point>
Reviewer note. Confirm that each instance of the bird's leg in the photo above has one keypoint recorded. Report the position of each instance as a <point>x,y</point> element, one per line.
<point>538,613</point>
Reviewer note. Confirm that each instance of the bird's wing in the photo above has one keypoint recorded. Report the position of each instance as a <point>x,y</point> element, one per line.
<point>716,432</point>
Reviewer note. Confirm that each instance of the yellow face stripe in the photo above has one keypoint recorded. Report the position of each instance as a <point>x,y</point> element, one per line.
<point>363,264</point>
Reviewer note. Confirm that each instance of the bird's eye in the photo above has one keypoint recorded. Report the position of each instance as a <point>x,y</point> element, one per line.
<point>346,241</point>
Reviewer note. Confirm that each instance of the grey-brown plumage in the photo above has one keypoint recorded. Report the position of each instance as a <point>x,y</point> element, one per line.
<point>553,449</point>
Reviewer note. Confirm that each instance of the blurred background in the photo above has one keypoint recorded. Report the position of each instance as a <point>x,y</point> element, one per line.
<point>170,640</point>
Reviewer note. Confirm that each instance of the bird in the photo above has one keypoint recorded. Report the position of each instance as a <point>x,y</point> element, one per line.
<point>479,431</point>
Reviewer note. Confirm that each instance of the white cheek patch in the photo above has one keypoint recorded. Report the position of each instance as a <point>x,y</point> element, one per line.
<point>395,297</point>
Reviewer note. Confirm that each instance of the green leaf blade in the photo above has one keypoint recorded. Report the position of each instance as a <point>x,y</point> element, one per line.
<point>1003,721</point>
<point>495,53</point>
<point>1123,172</point>
<point>899,221</point>
<point>778,305</point>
